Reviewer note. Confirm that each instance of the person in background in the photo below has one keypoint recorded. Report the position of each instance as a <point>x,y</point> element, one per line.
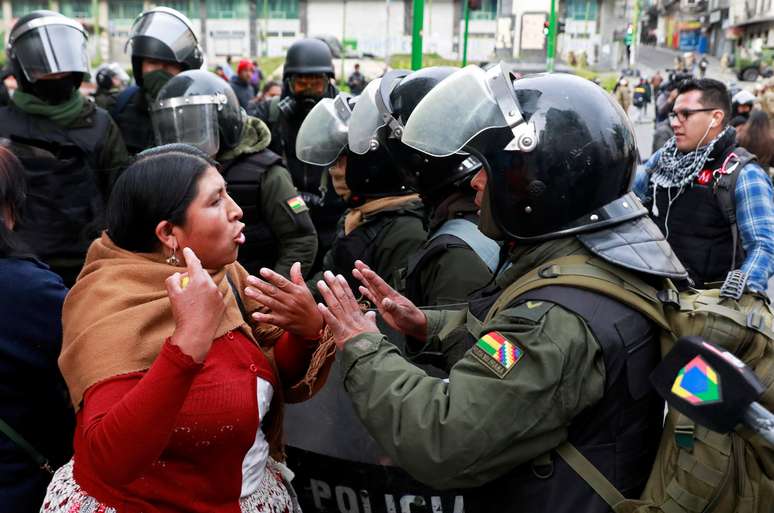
<point>703,65</point>
<point>356,81</point>
<point>162,43</point>
<point>271,89</point>
<point>696,178</point>
<point>219,71</point>
<point>179,391</point>
<point>241,83</point>
<point>33,396</point>
<point>755,136</point>
<point>111,79</point>
<point>72,151</point>
<point>228,69</point>
<point>623,95</point>
<point>742,104</point>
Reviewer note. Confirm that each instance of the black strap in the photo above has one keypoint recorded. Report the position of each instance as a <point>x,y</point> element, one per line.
<point>19,440</point>
<point>239,301</point>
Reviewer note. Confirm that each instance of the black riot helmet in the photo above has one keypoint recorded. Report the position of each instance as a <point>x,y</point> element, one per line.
<point>199,108</point>
<point>46,42</point>
<point>308,57</point>
<point>106,73</point>
<point>429,176</point>
<point>559,153</point>
<point>323,139</point>
<point>164,34</point>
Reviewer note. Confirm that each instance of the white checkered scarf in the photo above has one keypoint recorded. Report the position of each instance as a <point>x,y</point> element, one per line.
<point>676,169</point>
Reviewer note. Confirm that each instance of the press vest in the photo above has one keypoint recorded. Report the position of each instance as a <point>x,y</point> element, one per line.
<point>243,178</point>
<point>699,228</point>
<point>64,209</point>
<point>619,434</point>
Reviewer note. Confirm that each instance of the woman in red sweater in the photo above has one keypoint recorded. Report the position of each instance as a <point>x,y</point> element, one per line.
<point>178,399</point>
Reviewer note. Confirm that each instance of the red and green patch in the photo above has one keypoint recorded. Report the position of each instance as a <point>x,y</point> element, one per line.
<point>297,205</point>
<point>497,353</point>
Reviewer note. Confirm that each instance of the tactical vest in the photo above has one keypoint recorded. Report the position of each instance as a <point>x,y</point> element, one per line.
<point>619,434</point>
<point>243,178</point>
<point>64,209</point>
<point>362,243</point>
<point>702,221</point>
<point>133,119</point>
<point>450,235</point>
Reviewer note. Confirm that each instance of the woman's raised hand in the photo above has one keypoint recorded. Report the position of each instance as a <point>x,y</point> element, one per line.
<point>291,305</point>
<point>197,306</point>
<point>397,310</point>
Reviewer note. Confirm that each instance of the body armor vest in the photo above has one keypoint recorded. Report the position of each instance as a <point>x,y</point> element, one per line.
<point>619,434</point>
<point>64,210</point>
<point>243,178</point>
<point>697,225</point>
<point>133,119</point>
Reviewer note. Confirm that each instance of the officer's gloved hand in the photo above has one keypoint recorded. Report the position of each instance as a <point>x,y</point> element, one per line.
<point>399,312</point>
<point>311,199</point>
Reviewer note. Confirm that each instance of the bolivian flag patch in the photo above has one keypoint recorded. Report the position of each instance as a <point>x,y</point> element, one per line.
<point>297,205</point>
<point>498,353</point>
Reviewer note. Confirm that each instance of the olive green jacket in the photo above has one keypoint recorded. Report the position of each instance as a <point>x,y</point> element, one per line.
<point>477,426</point>
<point>294,231</point>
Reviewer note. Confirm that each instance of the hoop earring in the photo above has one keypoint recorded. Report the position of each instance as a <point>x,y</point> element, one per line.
<point>173,260</point>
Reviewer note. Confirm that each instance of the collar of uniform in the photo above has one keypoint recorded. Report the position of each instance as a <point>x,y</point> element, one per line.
<point>524,258</point>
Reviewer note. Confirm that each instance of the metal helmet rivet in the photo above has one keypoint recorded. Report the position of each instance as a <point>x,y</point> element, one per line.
<point>528,209</point>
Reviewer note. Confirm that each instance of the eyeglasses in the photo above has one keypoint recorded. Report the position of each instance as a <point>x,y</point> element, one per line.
<point>683,115</point>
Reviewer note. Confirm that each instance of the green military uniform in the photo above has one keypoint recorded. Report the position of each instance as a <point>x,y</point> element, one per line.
<point>450,273</point>
<point>384,241</point>
<point>279,230</point>
<point>478,426</point>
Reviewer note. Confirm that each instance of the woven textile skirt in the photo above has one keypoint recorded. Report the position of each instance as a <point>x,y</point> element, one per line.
<point>274,494</point>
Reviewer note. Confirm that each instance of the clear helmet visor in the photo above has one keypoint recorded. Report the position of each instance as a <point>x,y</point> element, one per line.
<point>323,134</point>
<point>366,119</point>
<point>454,112</point>
<point>168,28</point>
<point>195,124</point>
<point>56,47</point>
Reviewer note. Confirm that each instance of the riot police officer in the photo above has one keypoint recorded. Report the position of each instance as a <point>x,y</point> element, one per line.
<point>457,258</point>
<point>306,79</point>
<point>384,224</point>
<point>111,79</point>
<point>199,108</point>
<point>538,379</point>
<point>71,149</point>
<point>162,43</point>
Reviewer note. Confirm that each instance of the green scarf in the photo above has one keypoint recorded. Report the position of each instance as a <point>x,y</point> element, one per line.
<point>64,114</point>
<point>255,137</point>
<point>153,82</point>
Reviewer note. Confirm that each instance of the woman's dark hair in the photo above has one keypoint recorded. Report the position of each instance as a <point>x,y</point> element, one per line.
<point>268,85</point>
<point>755,136</point>
<point>13,193</point>
<point>158,186</point>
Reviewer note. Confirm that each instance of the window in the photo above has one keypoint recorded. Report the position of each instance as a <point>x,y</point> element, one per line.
<point>188,7</point>
<point>581,10</point>
<point>124,9</point>
<point>22,7</point>
<point>76,8</point>
<point>227,9</point>
<point>278,9</point>
<point>488,10</point>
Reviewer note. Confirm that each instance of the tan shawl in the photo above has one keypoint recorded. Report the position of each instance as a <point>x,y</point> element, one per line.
<point>117,316</point>
<point>356,216</point>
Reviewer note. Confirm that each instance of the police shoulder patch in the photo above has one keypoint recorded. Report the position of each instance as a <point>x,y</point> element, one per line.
<point>297,205</point>
<point>497,353</point>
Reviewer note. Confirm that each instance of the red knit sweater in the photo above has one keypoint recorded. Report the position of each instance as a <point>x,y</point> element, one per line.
<point>173,438</point>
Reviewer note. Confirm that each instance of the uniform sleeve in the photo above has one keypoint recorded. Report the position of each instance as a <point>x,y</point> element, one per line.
<point>755,218</point>
<point>138,406</point>
<point>292,227</point>
<point>482,422</point>
<point>453,276</point>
